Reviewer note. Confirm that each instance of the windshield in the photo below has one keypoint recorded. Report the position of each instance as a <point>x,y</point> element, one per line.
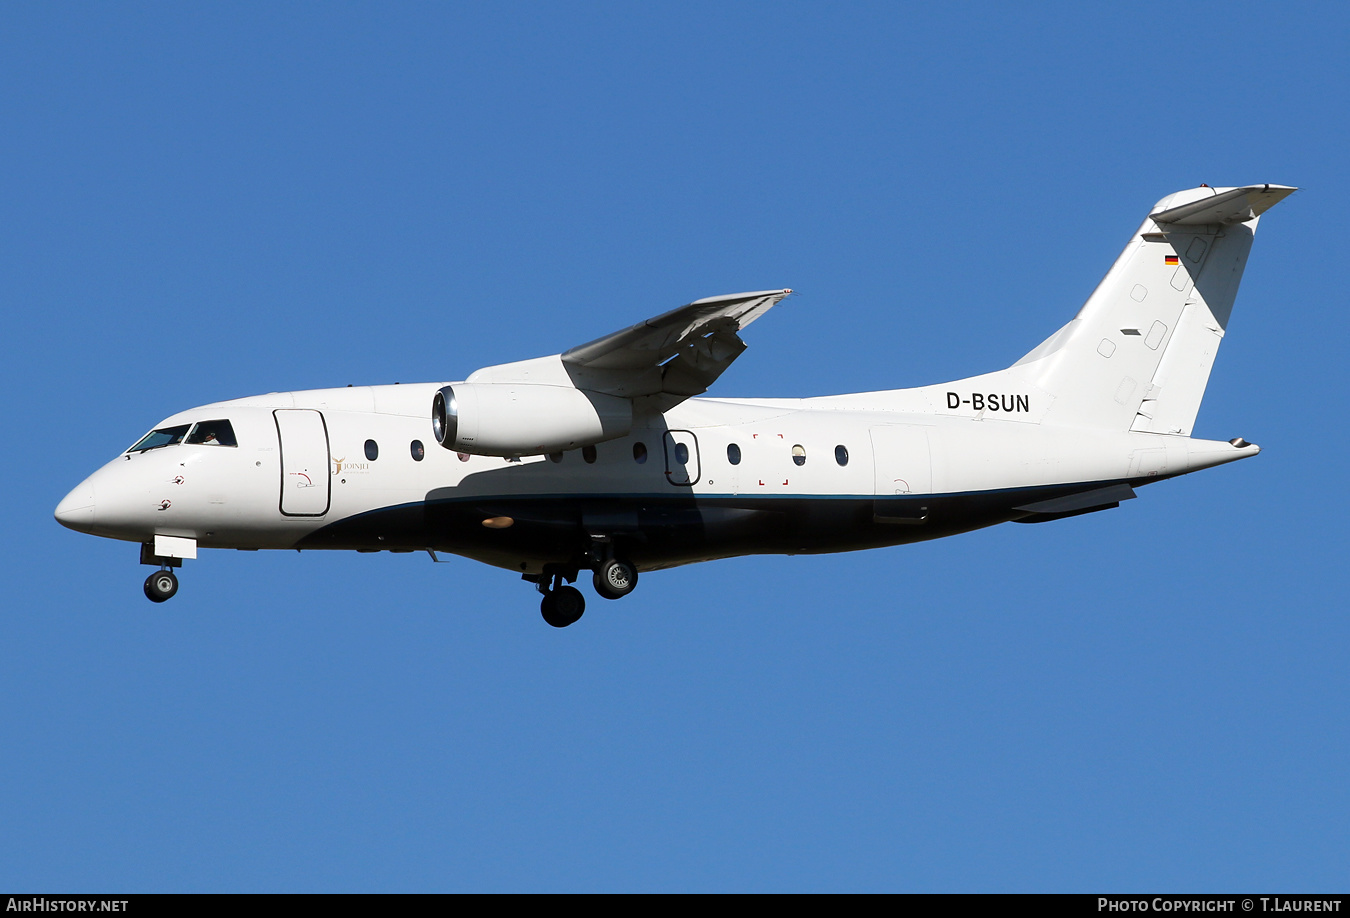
<point>213,433</point>
<point>165,436</point>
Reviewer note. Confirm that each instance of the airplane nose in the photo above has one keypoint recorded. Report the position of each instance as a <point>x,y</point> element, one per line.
<point>76,510</point>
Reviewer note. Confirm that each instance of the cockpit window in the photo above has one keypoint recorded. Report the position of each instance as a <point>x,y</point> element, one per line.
<point>213,433</point>
<point>165,436</point>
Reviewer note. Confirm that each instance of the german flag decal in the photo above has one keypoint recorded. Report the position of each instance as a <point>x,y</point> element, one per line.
<point>1172,260</point>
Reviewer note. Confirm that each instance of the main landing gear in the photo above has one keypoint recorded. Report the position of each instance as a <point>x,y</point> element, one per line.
<point>562,605</point>
<point>615,579</point>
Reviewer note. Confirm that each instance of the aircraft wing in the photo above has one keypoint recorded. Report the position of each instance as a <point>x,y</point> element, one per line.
<point>672,356</point>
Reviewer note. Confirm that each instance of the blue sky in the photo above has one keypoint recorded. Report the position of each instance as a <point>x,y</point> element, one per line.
<point>213,201</point>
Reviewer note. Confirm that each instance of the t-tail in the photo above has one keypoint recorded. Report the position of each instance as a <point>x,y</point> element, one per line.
<point>1139,353</point>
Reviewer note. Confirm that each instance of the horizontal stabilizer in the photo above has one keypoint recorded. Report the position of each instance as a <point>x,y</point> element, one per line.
<point>1225,205</point>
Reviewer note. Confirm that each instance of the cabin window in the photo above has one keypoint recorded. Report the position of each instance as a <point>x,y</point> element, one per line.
<point>165,436</point>
<point>372,450</point>
<point>841,454</point>
<point>799,454</point>
<point>588,453</point>
<point>733,454</point>
<point>213,433</point>
<point>639,453</point>
<point>555,457</point>
<point>682,453</point>
<point>419,452</point>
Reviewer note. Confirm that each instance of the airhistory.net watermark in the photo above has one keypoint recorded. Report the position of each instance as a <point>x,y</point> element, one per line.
<point>43,904</point>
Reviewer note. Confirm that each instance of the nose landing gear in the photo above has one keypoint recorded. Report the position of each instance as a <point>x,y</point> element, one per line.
<point>160,586</point>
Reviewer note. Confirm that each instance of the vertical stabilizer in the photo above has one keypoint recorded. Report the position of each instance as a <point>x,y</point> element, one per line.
<point>1139,353</point>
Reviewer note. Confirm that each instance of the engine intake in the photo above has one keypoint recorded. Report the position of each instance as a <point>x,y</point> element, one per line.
<point>505,419</point>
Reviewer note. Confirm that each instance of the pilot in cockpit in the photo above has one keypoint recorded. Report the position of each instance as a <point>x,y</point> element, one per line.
<point>213,433</point>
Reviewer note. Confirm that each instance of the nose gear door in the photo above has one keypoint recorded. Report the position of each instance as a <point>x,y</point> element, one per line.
<point>305,481</point>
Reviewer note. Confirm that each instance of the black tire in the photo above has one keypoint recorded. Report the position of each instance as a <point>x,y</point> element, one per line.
<point>160,586</point>
<point>563,606</point>
<point>615,579</point>
<point>549,609</point>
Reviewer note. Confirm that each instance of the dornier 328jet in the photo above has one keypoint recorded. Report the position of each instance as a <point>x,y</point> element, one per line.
<point>600,458</point>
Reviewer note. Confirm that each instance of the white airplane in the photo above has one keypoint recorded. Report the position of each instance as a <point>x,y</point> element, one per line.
<point>600,459</point>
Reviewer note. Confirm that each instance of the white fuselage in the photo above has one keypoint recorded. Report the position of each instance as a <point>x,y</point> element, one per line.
<point>283,486</point>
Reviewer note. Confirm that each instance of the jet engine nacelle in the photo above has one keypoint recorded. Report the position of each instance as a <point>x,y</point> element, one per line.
<point>525,419</point>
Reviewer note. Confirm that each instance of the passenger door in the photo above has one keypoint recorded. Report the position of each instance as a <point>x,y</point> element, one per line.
<point>305,478</point>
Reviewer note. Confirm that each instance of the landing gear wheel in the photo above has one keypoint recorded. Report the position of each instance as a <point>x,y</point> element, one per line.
<point>160,586</point>
<point>615,579</point>
<point>563,606</point>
